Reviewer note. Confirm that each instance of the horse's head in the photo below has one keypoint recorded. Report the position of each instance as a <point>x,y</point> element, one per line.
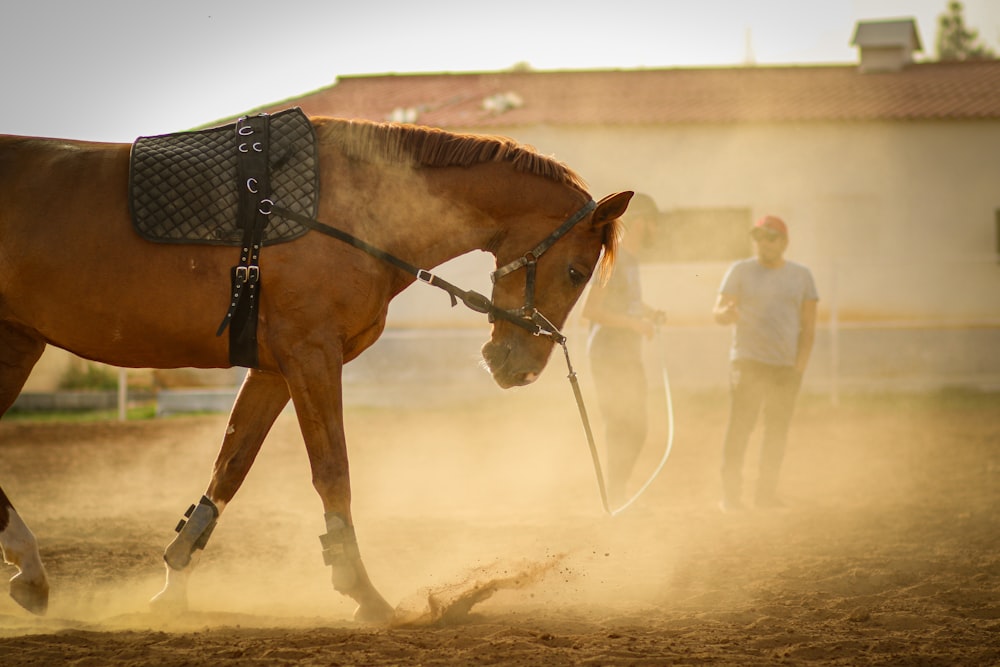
<point>541,285</point>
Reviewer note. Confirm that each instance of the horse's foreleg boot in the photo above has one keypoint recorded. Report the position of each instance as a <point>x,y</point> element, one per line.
<point>340,552</point>
<point>192,534</point>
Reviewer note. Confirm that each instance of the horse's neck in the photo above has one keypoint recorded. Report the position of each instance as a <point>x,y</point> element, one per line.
<point>432,219</point>
<point>429,216</point>
<point>482,208</point>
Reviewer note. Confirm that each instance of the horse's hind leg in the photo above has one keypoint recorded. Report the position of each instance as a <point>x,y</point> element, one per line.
<point>30,586</point>
<point>261,399</point>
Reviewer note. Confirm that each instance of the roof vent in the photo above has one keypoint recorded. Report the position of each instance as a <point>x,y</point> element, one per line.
<point>886,46</point>
<point>406,115</point>
<point>501,102</point>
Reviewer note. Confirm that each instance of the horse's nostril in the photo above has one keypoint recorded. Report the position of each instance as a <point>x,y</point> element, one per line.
<point>495,354</point>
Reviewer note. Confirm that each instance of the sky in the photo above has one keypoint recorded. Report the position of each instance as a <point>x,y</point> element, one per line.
<point>113,70</point>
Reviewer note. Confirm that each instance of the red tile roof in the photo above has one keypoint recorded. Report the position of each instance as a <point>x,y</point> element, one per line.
<point>961,90</point>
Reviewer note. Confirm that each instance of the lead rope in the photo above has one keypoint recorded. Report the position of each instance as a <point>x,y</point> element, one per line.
<point>586,427</point>
<point>590,434</point>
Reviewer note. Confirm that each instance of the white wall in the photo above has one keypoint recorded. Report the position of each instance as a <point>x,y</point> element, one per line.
<point>919,197</point>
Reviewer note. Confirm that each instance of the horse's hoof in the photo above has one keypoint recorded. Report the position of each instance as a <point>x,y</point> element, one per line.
<point>376,612</point>
<point>33,596</point>
<point>169,603</point>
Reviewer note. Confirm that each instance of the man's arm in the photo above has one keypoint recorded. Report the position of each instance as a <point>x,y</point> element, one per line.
<point>596,310</point>
<point>807,334</point>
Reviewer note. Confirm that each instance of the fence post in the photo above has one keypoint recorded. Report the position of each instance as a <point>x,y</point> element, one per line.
<point>834,338</point>
<point>122,394</point>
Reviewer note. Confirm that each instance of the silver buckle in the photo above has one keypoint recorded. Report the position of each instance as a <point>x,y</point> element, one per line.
<point>246,274</point>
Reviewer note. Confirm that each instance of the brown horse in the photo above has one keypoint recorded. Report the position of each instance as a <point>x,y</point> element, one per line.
<point>75,274</point>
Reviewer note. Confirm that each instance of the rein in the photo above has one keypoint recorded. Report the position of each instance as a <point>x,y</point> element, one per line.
<point>527,317</point>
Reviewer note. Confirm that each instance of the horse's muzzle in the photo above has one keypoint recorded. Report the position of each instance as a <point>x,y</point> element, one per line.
<point>505,372</point>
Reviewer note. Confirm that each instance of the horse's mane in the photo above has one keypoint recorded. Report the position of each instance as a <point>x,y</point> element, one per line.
<point>433,147</point>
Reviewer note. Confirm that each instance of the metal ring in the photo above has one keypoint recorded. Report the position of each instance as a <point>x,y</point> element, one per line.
<point>252,188</point>
<point>270,206</point>
<point>245,130</point>
<point>243,148</point>
<point>257,147</point>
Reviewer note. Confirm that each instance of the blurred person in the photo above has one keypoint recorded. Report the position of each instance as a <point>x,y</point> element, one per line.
<point>619,320</point>
<point>772,302</point>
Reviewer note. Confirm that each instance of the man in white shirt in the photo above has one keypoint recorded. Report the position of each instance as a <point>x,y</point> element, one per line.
<point>772,303</point>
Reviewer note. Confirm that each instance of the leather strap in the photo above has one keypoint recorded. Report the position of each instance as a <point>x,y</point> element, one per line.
<point>251,142</point>
<point>473,300</point>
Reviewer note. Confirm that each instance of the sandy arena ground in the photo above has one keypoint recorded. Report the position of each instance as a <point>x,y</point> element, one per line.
<point>890,554</point>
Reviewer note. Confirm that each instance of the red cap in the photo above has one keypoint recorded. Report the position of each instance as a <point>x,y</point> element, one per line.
<point>772,222</point>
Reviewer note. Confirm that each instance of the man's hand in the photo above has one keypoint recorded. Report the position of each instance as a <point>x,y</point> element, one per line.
<point>726,311</point>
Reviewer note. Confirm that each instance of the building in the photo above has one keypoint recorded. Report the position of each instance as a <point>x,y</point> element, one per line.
<point>887,171</point>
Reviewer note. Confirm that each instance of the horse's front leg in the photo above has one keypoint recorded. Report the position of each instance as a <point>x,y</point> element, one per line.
<point>30,586</point>
<point>318,399</point>
<point>259,402</point>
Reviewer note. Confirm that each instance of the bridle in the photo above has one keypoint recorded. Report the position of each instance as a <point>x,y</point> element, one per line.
<point>528,261</point>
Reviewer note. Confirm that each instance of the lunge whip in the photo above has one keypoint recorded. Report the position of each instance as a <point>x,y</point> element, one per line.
<point>590,434</point>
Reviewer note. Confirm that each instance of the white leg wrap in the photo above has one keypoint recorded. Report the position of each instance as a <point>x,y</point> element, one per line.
<point>30,586</point>
<point>173,598</point>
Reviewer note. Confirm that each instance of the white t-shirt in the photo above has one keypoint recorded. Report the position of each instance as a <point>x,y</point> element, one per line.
<point>770,306</point>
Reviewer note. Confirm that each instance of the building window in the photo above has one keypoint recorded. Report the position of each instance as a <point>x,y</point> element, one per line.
<point>701,235</point>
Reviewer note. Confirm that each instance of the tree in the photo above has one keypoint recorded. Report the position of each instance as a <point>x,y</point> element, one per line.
<point>957,42</point>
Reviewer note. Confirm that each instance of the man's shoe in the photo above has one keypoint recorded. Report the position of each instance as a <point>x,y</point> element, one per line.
<point>771,503</point>
<point>730,506</point>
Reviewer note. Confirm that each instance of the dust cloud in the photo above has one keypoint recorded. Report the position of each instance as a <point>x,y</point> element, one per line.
<point>485,515</point>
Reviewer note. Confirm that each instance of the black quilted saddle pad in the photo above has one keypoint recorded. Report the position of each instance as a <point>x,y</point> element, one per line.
<point>183,187</point>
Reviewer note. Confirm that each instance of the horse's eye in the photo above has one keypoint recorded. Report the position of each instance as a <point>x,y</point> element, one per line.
<point>577,277</point>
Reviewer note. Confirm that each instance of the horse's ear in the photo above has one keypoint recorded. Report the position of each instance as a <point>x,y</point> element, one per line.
<point>611,208</point>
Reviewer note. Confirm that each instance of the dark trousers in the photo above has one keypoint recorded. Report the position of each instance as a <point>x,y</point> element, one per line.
<point>756,387</point>
<point>616,364</point>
